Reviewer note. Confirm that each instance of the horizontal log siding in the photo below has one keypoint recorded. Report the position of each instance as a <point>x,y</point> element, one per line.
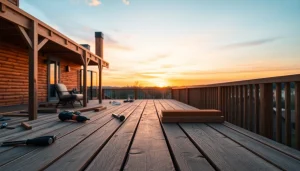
<point>14,76</point>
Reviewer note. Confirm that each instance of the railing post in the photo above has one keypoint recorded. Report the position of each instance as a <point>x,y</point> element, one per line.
<point>219,98</point>
<point>278,113</point>
<point>297,113</point>
<point>266,110</point>
<point>287,112</point>
<point>246,117</point>
<point>135,93</point>
<point>240,106</point>
<point>187,96</point>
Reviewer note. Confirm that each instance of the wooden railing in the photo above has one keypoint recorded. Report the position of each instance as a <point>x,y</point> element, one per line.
<point>136,93</point>
<point>268,106</point>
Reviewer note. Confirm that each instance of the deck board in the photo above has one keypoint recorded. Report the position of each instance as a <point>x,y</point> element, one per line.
<point>187,156</point>
<point>149,150</point>
<point>142,142</point>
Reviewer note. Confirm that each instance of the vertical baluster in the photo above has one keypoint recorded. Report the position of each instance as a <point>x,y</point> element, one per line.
<point>245,121</point>
<point>266,110</point>
<point>226,103</point>
<point>287,112</point>
<point>233,119</point>
<point>251,115</point>
<point>297,113</point>
<point>229,105</point>
<point>278,113</point>
<point>240,106</point>
<point>256,108</point>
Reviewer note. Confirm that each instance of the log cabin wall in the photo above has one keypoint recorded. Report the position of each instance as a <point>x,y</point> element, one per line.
<point>14,75</point>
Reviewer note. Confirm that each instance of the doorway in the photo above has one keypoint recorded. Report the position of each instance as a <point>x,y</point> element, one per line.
<point>53,78</point>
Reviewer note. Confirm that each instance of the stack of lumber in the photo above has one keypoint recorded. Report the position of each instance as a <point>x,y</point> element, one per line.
<point>204,116</point>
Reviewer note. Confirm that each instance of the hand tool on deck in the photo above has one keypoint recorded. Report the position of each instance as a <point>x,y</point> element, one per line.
<point>66,115</point>
<point>120,117</point>
<point>5,125</point>
<point>39,141</point>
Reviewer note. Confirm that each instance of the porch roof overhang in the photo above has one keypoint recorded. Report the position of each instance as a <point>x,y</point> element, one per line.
<point>55,43</point>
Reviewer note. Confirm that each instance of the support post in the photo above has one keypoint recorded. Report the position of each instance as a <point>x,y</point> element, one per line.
<point>288,129</point>
<point>33,72</point>
<point>278,113</point>
<point>84,79</point>
<point>266,110</point>
<point>297,113</point>
<point>100,94</point>
<point>99,51</point>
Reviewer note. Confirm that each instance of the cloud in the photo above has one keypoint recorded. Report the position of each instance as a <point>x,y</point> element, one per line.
<point>93,2</point>
<point>126,2</point>
<point>250,43</point>
<point>112,43</point>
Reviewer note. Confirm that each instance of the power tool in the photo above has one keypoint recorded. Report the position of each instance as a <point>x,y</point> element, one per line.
<point>120,117</point>
<point>39,141</point>
<point>67,115</point>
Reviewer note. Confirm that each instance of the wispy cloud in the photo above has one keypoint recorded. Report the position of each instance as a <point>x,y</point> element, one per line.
<point>155,58</point>
<point>93,2</point>
<point>126,2</point>
<point>250,43</point>
<point>112,43</point>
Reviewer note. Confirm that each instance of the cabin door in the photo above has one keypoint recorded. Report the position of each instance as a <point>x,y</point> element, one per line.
<point>53,78</point>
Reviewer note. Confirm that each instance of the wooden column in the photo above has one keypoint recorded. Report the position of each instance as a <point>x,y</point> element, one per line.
<point>135,93</point>
<point>287,112</point>
<point>266,110</point>
<point>297,113</point>
<point>99,51</point>
<point>278,113</point>
<point>219,97</point>
<point>187,96</point>
<point>33,72</point>
<point>84,89</point>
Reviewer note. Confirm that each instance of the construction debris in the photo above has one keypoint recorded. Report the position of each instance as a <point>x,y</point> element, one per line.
<point>89,109</point>
<point>100,109</point>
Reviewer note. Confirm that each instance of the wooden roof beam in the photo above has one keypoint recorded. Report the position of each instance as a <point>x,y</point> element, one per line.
<point>25,36</point>
<point>42,43</point>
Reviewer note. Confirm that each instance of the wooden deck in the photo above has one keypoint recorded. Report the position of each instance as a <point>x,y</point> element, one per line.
<point>141,142</point>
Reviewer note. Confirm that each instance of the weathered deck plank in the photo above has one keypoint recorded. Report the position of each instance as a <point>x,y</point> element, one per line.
<point>112,156</point>
<point>186,155</point>
<point>43,156</point>
<point>80,156</point>
<point>149,150</point>
<point>273,156</point>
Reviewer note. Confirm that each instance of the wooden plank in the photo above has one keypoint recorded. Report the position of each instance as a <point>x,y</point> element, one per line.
<point>190,119</point>
<point>297,114</point>
<point>256,108</point>
<point>33,73</point>
<point>266,110</point>
<point>42,43</point>
<point>288,128</point>
<point>269,154</point>
<point>88,150</point>
<point>236,102</point>
<point>185,155</point>
<point>223,152</point>
<point>149,150</point>
<point>89,108</point>
<point>279,147</point>
<point>202,112</point>
<point>42,157</point>
<point>278,113</point>
<point>232,105</point>
<point>25,36</point>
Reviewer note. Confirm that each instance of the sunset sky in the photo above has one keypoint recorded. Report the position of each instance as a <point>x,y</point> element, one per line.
<point>186,42</point>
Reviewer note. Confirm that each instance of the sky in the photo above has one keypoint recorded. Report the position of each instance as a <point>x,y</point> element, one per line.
<point>181,43</point>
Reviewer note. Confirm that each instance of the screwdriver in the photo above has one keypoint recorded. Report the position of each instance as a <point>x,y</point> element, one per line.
<point>39,141</point>
<point>120,117</point>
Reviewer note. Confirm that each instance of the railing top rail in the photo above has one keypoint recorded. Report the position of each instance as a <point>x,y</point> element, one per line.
<point>279,79</point>
<point>139,88</point>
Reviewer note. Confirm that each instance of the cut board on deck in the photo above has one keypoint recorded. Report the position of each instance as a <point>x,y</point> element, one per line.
<point>204,116</point>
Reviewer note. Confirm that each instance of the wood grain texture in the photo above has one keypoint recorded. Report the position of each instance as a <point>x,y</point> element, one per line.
<point>186,155</point>
<point>278,146</point>
<point>83,153</point>
<point>269,154</point>
<point>149,150</point>
<point>112,156</point>
<point>256,108</point>
<point>266,110</point>
<point>223,152</point>
<point>297,114</point>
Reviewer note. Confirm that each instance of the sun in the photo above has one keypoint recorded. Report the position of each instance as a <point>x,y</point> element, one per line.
<point>161,83</point>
